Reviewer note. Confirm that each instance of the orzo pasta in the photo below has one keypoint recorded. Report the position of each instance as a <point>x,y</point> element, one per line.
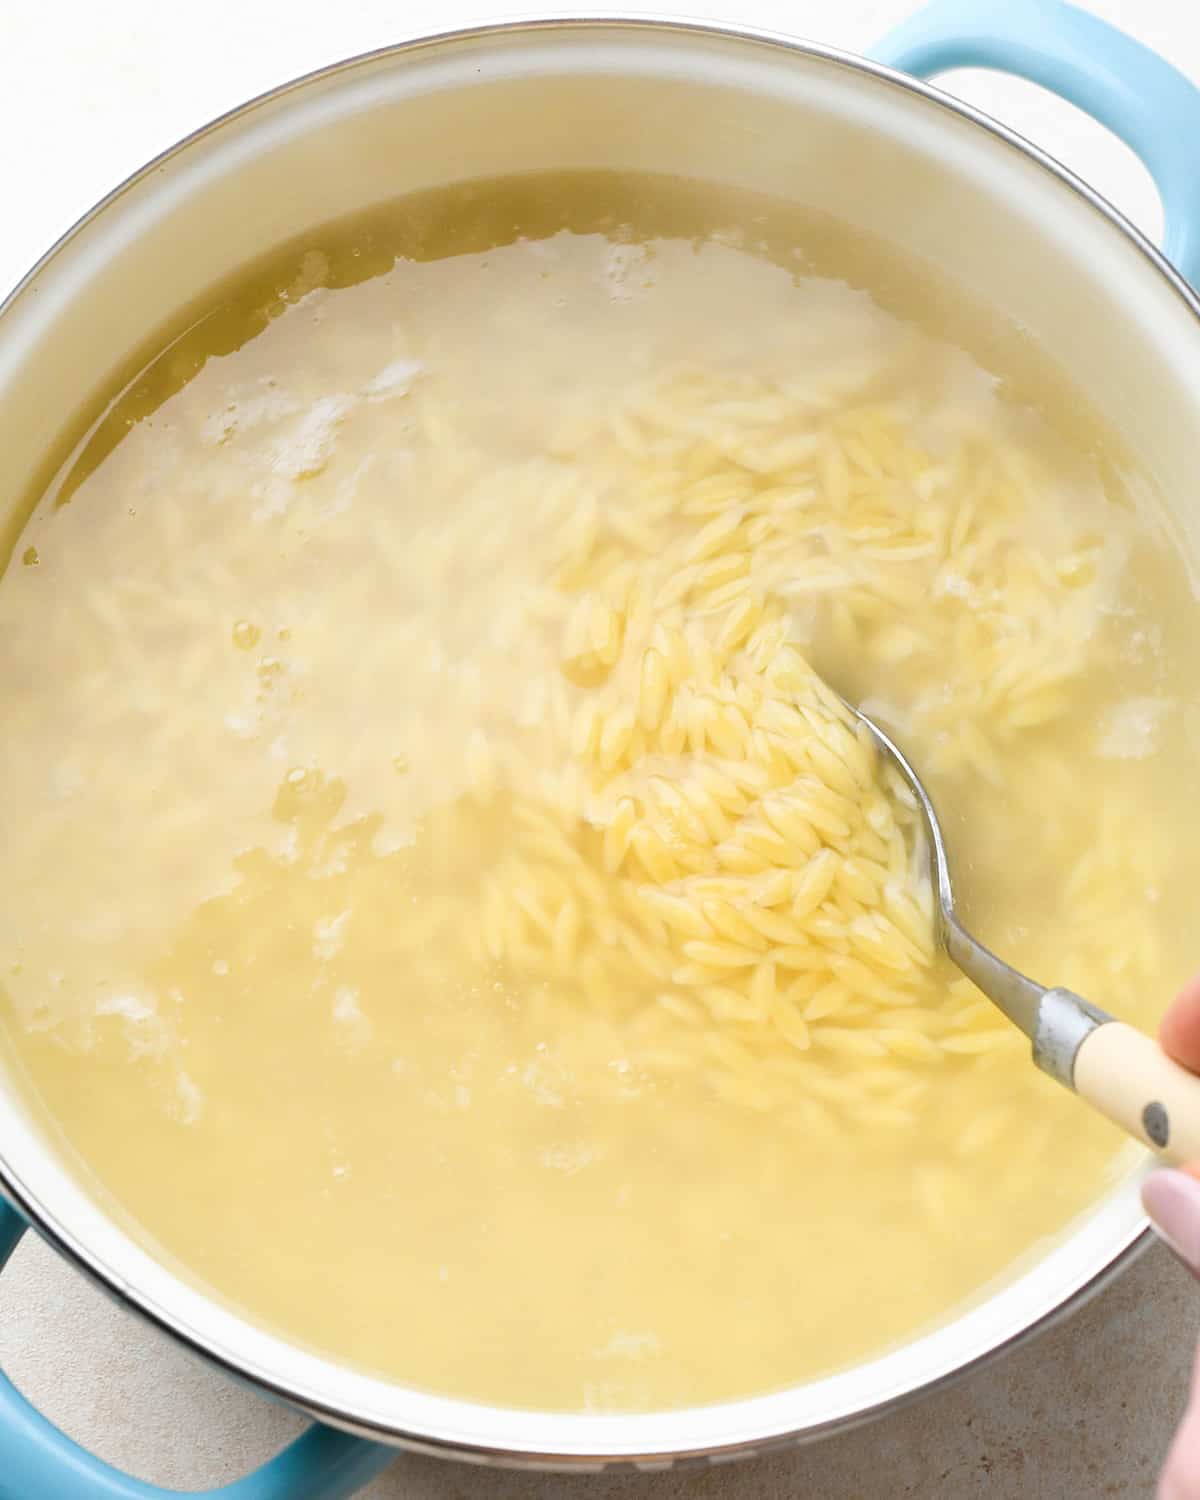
<point>447,908</point>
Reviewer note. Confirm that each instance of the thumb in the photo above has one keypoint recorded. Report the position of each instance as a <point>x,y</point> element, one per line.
<point>1172,1200</point>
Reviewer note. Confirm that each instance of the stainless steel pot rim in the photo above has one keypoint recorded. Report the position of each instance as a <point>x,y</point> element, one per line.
<point>518,1436</point>
<point>639,1444</point>
<point>649,21</point>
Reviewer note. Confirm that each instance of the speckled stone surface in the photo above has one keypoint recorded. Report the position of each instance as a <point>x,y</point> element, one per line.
<point>87,93</point>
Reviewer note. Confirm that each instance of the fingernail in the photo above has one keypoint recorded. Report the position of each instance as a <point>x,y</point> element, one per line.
<point>1172,1199</point>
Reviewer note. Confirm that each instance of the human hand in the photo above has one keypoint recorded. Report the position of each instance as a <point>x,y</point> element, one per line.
<point>1172,1199</point>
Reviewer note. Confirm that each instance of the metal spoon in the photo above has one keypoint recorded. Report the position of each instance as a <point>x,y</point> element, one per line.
<point>1117,1069</point>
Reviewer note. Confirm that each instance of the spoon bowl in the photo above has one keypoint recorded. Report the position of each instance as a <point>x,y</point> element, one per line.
<point>1116,1068</point>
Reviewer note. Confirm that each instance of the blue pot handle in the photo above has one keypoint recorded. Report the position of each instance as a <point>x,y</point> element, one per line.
<point>1116,80</point>
<point>37,1462</point>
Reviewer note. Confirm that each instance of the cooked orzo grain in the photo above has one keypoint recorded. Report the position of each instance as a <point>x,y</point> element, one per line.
<point>447,910</point>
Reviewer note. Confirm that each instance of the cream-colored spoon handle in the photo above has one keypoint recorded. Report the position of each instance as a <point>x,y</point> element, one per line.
<point>1129,1078</point>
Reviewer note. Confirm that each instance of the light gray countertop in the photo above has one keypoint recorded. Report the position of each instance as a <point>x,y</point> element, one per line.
<point>88,91</point>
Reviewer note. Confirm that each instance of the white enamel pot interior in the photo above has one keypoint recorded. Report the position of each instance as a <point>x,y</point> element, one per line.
<point>861,143</point>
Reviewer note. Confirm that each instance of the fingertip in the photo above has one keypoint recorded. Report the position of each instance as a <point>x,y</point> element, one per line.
<point>1172,1201</point>
<point>1179,1030</point>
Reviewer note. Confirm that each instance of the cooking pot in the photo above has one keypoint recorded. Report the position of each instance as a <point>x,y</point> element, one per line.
<point>861,140</point>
